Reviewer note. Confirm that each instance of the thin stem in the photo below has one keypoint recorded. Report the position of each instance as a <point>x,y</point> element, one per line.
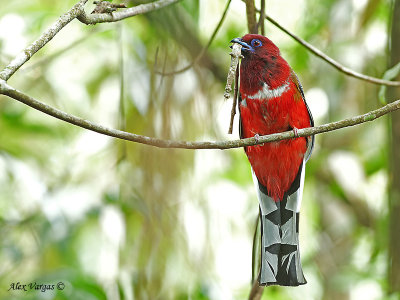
<point>56,113</point>
<point>123,14</point>
<point>256,291</point>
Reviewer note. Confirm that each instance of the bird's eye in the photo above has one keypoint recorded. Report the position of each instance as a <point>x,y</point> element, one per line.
<point>256,43</point>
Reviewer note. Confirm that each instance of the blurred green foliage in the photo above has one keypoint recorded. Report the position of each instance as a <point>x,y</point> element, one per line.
<point>118,220</point>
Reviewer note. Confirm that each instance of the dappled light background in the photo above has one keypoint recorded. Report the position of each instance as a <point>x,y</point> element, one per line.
<point>117,220</point>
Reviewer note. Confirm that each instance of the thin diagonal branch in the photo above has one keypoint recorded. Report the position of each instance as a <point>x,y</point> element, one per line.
<point>331,61</point>
<point>123,14</point>
<point>56,113</point>
<point>28,52</point>
<point>204,50</point>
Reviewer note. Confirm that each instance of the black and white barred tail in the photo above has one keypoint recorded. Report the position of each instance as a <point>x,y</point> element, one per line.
<point>280,252</point>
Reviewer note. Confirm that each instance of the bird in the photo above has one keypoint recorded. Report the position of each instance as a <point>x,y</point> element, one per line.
<point>271,100</point>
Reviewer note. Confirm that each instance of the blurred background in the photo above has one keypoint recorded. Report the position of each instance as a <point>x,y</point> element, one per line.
<point>118,220</point>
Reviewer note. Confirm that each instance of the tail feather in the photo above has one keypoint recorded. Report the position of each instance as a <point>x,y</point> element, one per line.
<point>280,253</point>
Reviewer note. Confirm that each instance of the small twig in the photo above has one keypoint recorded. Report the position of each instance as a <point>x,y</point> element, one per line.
<point>120,15</point>
<point>204,50</point>
<point>256,291</point>
<point>235,56</point>
<point>235,98</point>
<point>331,61</point>
<point>255,270</point>
<point>106,7</point>
<point>9,91</point>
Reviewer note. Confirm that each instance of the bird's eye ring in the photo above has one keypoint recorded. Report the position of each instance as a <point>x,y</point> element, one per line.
<point>256,43</point>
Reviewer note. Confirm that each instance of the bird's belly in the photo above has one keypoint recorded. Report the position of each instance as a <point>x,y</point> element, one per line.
<point>275,164</point>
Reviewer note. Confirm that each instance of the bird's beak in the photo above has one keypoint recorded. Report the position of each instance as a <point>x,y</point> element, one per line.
<point>245,46</point>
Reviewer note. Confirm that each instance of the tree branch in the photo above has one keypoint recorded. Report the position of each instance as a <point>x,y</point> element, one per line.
<point>331,61</point>
<point>56,113</point>
<point>28,52</point>
<point>126,13</point>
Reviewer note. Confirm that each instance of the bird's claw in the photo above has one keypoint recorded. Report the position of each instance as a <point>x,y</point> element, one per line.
<point>296,132</point>
<point>257,137</point>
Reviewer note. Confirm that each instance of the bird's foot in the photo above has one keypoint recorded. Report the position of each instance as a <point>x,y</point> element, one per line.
<point>296,132</point>
<point>257,137</point>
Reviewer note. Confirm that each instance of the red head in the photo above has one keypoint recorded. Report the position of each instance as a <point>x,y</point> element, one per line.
<point>261,63</point>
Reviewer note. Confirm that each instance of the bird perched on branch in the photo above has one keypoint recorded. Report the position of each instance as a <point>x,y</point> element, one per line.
<point>271,101</point>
